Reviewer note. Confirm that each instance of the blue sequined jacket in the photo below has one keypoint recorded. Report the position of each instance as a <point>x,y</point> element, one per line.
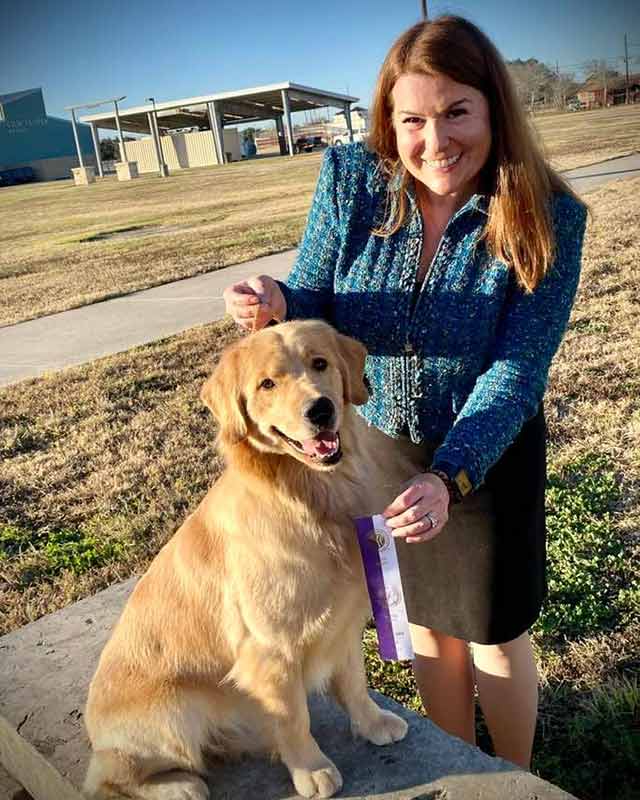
<point>465,363</point>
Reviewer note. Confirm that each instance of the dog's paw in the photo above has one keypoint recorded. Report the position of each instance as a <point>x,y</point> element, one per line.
<point>385,729</point>
<point>322,782</point>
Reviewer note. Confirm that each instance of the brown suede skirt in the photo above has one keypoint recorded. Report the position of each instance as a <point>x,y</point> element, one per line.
<point>483,578</point>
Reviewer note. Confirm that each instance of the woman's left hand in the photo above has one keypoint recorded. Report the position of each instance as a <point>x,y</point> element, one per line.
<point>421,511</point>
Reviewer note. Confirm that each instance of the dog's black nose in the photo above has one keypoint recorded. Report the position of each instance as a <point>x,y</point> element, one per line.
<point>321,412</point>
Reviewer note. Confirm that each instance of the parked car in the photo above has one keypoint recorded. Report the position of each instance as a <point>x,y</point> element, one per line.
<point>11,177</point>
<point>342,137</point>
<point>575,105</point>
<point>303,144</point>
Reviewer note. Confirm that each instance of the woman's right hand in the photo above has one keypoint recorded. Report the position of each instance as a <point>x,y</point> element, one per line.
<point>255,302</point>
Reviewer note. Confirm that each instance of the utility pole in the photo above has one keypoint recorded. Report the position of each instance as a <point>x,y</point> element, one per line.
<point>626,62</point>
<point>425,14</point>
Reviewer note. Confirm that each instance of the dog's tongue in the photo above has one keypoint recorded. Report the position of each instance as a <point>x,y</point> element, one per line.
<point>321,444</point>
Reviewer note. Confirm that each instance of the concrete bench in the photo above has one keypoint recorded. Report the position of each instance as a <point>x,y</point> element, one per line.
<point>45,669</point>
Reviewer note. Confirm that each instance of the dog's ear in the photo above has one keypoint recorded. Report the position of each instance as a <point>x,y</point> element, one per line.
<point>352,356</point>
<point>221,393</point>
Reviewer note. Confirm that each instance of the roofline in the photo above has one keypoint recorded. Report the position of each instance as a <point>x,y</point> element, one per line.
<point>208,98</point>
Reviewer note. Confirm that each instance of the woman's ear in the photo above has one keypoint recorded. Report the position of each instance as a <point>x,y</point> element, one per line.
<point>352,355</point>
<point>222,394</point>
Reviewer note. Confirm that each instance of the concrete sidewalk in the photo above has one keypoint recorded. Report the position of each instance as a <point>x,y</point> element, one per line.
<point>31,349</point>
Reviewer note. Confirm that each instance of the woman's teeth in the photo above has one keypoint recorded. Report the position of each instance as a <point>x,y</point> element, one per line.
<point>442,162</point>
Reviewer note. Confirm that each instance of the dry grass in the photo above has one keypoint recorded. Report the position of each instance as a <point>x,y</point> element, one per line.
<point>584,137</point>
<point>196,220</point>
<point>52,257</point>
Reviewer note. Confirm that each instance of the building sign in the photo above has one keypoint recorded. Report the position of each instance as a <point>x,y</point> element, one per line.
<point>13,126</point>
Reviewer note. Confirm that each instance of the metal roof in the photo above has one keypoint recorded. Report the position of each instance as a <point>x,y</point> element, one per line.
<point>243,105</point>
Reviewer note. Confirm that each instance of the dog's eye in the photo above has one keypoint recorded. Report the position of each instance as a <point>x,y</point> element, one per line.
<point>319,363</point>
<point>267,383</point>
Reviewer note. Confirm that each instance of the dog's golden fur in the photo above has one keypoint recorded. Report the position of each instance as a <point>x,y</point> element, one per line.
<point>259,598</point>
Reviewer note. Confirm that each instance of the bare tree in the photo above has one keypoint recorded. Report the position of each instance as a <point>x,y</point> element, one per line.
<point>563,85</point>
<point>533,80</point>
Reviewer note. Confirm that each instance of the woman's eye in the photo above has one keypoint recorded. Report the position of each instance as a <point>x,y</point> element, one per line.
<point>267,383</point>
<point>319,363</point>
<point>412,121</point>
<point>457,112</point>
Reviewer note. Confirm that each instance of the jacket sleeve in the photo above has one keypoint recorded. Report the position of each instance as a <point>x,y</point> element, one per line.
<point>510,390</point>
<point>309,288</point>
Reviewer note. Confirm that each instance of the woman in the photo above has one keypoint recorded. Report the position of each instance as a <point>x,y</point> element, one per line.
<point>452,251</point>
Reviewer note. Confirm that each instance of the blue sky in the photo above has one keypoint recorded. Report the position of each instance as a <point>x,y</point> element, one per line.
<point>83,51</point>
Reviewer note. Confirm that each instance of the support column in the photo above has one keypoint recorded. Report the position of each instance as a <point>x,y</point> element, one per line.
<point>213,124</point>
<point>96,146</point>
<point>287,119</point>
<point>215,119</point>
<point>347,117</point>
<point>74,125</point>
<point>123,149</point>
<point>281,136</point>
<point>153,130</point>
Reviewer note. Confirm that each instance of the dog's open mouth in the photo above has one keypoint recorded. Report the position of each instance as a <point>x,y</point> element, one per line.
<point>323,448</point>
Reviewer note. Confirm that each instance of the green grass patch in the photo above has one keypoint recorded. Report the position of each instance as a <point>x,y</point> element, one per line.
<point>590,583</point>
<point>590,741</point>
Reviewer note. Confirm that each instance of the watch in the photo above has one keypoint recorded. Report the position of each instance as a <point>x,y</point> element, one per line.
<point>458,487</point>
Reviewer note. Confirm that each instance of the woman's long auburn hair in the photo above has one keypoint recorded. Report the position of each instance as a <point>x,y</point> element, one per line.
<point>519,230</point>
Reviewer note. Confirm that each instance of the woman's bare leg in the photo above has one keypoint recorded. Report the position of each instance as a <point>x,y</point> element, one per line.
<point>444,674</point>
<point>507,681</point>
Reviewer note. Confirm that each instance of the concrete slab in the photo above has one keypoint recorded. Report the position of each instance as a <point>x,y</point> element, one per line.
<point>31,349</point>
<point>47,666</point>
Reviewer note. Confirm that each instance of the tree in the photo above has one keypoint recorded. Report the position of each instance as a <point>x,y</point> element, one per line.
<point>533,80</point>
<point>564,86</point>
<point>109,150</point>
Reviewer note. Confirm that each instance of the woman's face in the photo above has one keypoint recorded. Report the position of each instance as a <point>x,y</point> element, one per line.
<point>443,132</point>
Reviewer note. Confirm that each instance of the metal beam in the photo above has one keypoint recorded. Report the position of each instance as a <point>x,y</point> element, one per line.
<point>217,131</point>
<point>213,124</point>
<point>153,130</point>
<point>347,117</point>
<point>96,147</point>
<point>123,148</point>
<point>287,119</point>
<point>75,136</point>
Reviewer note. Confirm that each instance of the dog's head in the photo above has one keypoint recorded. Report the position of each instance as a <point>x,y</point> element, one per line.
<point>284,389</point>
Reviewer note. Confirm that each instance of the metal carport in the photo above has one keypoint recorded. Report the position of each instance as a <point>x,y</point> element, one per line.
<point>273,102</point>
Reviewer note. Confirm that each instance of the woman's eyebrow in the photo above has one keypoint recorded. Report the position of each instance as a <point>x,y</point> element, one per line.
<point>448,108</point>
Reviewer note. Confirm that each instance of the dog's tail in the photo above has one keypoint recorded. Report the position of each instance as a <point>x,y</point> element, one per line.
<point>114,774</point>
<point>109,773</point>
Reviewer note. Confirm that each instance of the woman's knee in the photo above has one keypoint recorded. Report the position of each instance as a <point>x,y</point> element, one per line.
<point>501,659</point>
<point>436,644</point>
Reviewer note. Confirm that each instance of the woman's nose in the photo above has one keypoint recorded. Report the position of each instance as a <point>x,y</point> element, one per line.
<point>436,137</point>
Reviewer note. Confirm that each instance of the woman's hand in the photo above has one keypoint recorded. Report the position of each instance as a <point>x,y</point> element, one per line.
<point>255,302</point>
<point>421,511</point>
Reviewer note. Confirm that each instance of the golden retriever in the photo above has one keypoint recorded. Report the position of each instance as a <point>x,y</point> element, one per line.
<point>259,598</point>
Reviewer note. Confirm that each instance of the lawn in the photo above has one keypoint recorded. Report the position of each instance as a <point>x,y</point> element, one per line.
<point>63,246</point>
<point>100,463</point>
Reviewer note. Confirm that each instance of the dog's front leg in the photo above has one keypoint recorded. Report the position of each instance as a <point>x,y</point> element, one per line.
<point>349,687</point>
<point>277,685</point>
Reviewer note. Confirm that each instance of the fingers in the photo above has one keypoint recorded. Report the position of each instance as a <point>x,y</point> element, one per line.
<point>403,501</point>
<point>243,303</point>
<point>420,512</point>
<point>251,302</point>
<point>423,530</point>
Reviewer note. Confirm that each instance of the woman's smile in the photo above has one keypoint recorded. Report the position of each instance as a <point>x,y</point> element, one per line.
<point>443,133</point>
